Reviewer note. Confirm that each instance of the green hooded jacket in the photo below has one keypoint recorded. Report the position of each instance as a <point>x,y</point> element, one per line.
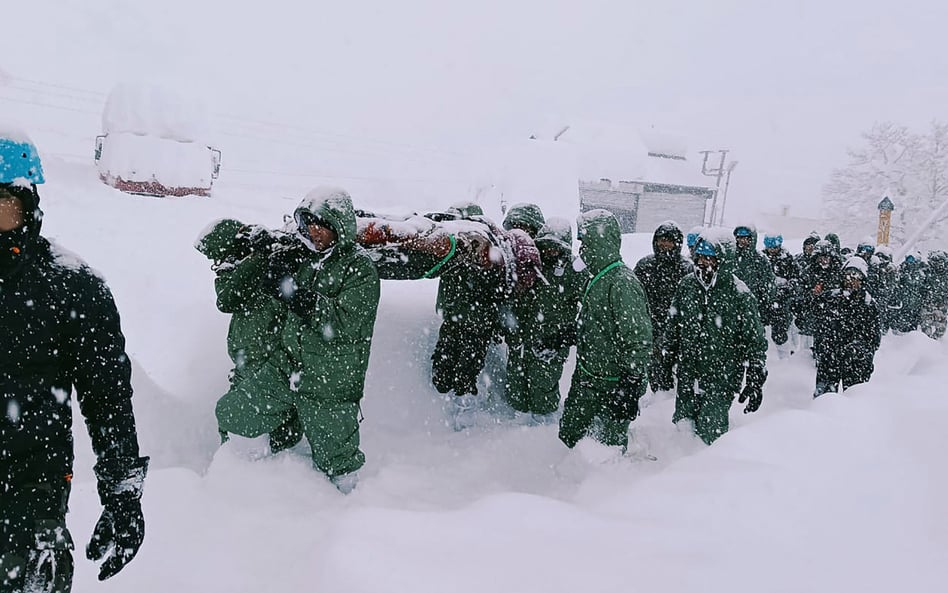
<point>713,331</point>
<point>614,329</point>
<point>755,270</point>
<point>256,317</point>
<point>547,315</point>
<point>329,348</point>
<point>527,217</point>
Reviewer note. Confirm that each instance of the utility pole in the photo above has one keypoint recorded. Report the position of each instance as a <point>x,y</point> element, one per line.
<point>715,172</point>
<point>727,183</point>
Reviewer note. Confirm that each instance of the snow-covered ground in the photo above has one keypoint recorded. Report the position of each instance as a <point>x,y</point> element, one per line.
<point>845,493</point>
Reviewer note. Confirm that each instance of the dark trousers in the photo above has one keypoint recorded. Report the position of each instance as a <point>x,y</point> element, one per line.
<point>35,546</point>
<point>459,356</point>
<point>835,366</point>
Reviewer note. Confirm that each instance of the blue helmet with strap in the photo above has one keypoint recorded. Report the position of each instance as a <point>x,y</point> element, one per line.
<point>19,162</point>
<point>706,248</point>
<point>772,241</point>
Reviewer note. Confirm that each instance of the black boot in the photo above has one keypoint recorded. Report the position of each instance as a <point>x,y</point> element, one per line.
<point>286,435</point>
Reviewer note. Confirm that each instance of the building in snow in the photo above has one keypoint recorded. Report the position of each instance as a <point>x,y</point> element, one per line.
<point>660,183</point>
<point>644,178</point>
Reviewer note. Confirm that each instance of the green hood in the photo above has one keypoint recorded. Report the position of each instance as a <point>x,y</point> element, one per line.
<point>219,240</point>
<point>465,210</point>
<point>333,206</point>
<point>556,233</point>
<point>528,217</point>
<point>600,238</point>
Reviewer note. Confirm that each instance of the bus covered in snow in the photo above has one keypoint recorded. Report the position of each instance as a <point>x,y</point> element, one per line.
<point>154,143</point>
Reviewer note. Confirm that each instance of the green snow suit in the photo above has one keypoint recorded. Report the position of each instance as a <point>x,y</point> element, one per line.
<point>545,316</point>
<point>257,316</point>
<point>713,330</point>
<point>756,271</point>
<point>614,339</point>
<point>318,374</point>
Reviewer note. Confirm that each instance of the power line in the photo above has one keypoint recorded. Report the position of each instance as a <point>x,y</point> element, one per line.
<point>48,105</point>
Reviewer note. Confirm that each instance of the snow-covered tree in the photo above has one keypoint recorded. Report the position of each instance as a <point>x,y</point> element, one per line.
<point>883,166</point>
<point>911,169</point>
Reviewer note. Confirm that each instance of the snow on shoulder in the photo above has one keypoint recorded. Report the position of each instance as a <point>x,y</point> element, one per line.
<point>740,285</point>
<point>69,260</point>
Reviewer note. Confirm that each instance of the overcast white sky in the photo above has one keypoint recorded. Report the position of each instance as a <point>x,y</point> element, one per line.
<point>785,85</point>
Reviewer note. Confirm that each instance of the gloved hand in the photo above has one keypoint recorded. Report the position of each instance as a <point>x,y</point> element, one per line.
<point>303,301</point>
<point>281,265</point>
<point>624,401</point>
<point>753,395</point>
<point>753,392</point>
<point>567,337</point>
<point>120,530</point>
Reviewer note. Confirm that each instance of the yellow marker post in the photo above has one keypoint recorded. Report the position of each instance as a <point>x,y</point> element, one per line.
<point>885,221</point>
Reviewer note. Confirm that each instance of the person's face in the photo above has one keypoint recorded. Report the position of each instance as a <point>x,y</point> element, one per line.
<point>707,266</point>
<point>823,261</point>
<point>548,255</point>
<point>322,237</point>
<point>743,241</point>
<point>772,251</point>
<point>11,212</point>
<point>852,280</point>
<point>808,249</point>
<point>665,245</point>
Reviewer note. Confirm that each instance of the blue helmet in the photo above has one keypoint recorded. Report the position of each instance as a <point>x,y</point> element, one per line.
<point>772,241</point>
<point>692,239</point>
<point>706,248</point>
<point>743,231</point>
<point>19,161</point>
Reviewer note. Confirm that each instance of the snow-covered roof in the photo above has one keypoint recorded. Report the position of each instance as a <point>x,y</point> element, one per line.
<point>152,110</point>
<point>623,153</point>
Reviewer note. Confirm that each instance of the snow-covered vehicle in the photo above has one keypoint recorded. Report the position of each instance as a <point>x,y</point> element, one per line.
<point>154,143</point>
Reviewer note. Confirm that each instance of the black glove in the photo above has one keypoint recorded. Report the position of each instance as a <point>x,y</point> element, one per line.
<point>753,392</point>
<point>120,530</point>
<point>303,301</point>
<point>624,401</point>
<point>281,264</point>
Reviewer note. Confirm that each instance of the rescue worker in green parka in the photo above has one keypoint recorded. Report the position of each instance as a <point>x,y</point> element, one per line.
<point>317,374</point>
<point>545,326</point>
<point>243,259</point>
<point>613,340</point>
<point>713,328</point>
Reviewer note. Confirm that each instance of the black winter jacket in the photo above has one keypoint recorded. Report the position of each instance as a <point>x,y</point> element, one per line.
<point>659,276</point>
<point>851,326</point>
<point>59,330</point>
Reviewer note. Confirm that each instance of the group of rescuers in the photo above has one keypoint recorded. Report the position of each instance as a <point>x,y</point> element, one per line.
<point>304,300</point>
<point>303,303</point>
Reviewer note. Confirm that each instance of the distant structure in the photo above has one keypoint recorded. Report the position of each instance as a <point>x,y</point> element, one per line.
<point>661,185</point>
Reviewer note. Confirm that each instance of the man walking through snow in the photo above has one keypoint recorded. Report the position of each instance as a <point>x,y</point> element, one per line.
<point>318,373</point>
<point>613,340</point>
<point>60,331</point>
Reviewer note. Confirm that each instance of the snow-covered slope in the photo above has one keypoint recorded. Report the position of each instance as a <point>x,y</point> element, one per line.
<point>842,494</point>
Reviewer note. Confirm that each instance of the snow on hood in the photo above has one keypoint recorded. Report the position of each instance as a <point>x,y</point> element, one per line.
<point>333,205</point>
